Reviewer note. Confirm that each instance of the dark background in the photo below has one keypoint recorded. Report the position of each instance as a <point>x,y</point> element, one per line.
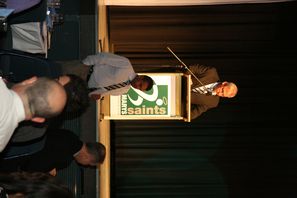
<point>244,148</point>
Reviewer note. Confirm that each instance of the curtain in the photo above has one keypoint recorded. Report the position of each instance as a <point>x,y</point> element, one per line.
<point>244,148</point>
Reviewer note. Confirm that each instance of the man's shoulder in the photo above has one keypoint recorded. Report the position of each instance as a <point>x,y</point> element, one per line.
<point>27,131</point>
<point>201,67</point>
<point>110,55</point>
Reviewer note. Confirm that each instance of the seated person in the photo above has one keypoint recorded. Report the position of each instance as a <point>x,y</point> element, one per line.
<point>60,149</point>
<point>77,102</point>
<point>34,185</point>
<point>108,74</point>
<point>34,99</point>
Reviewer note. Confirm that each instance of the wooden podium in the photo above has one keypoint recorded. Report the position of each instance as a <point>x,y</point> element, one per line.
<point>169,99</point>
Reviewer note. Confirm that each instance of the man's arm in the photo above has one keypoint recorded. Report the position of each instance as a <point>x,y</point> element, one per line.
<point>92,59</point>
<point>107,59</point>
<point>53,172</point>
<point>8,119</point>
<point>95,96</point>
<point>205,74</point>
<point>199,69</point>
<point>197,110</point>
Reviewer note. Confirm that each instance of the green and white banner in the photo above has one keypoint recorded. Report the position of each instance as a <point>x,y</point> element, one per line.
<point>156,102</point>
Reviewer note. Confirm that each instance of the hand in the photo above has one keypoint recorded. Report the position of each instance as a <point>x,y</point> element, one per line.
<point>53,172</point>
<point>95,96</point>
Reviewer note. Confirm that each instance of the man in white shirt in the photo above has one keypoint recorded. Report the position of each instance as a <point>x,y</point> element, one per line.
<point>110,70</point>
<point>33,99</point>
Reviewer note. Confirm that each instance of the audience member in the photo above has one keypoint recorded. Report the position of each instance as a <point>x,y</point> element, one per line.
<point>77,102</point>
<point>33,99</point>
<point>77,93</point>
<point>32,185</point>
<point>60,149</point>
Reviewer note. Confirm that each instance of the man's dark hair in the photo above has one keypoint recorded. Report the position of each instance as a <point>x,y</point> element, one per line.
<point>77,94</point>
<point>149,81</point>
<point>38,97</point>
<point>34,185</point>
<point>97,150</point>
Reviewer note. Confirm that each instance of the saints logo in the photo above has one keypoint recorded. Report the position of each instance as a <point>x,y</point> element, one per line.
<point>153,102</point>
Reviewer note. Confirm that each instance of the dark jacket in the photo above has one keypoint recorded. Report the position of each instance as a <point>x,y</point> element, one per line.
<point>201,102</point>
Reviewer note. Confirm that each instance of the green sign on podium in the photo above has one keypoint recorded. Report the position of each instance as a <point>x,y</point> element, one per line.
<point>168,99</point>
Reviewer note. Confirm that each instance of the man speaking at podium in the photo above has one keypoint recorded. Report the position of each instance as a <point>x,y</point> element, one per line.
<point>207,89</point>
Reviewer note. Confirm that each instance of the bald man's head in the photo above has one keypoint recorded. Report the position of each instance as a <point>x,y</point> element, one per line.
<point>226,89</point>
<point>42,97</point>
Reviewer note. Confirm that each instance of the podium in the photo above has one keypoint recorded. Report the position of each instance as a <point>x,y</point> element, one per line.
<point>169,99</point>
